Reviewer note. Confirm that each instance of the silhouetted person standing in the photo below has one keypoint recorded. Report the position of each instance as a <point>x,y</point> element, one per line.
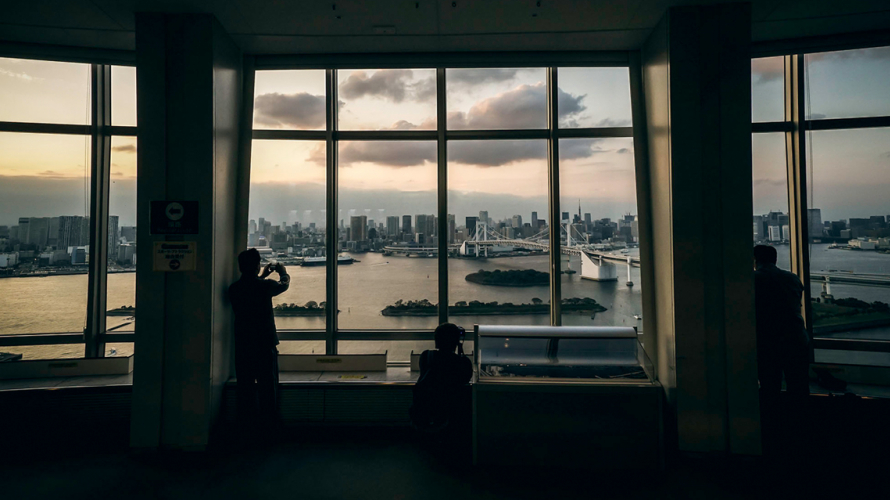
<point>438,402</point>
<point>256,341</point>
<point>782,339</point>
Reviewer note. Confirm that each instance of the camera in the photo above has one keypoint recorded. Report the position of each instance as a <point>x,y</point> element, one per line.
<point>460,340</point>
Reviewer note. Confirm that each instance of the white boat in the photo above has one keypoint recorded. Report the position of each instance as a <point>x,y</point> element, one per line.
<point>638,317</point>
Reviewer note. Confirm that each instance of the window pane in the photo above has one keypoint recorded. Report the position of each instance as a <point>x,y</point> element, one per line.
<point>121,298</point>
<point>52,351</point>
<point>768,89</point>
<point>594,97</point>
<point>293,100</point>
<point>497,190</point>
<point>770,194</point>
<point>44,91</point>
<point>387,223</point>
<point>850,180</point>
<point>287,224</point>
<point>44,207</point>
<point>123,96</point>
<point>501,98</point>
<point>387,99</point>
<point>300,346</point>
<point>848,83</point>
<point>119,349</point>
<point>397,351</point>
<point>599,205</point>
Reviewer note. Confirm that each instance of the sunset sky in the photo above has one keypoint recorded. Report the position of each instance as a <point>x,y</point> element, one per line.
<point>44,175</point>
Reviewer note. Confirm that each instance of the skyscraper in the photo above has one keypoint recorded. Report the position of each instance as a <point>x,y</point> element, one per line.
<point>392,226</point>
<point>451,228</point>
<point>113,237</point>
<point>358,225</point>
<point>535,220</point>
<point>814,223</point>
<point>471,226</point>
<point>517,221</point>
<point>406,224</point>
<point>483,216</point>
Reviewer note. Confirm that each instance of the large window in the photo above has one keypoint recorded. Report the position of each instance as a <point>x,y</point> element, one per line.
<point>47,212</point>
<point>836,131</point>
<point>421,195</point>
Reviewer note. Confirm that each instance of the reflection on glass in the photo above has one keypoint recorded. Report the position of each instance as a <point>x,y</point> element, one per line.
<point>768,89</point>
<point>123,96</point>
<point>44,91</point>
<point>121,293</point>
<point>287,224</point>
<point>769,188</point>
<point>498,269</point>
<point>501,98</point>
<point>289,99</point>
<point>850,259</point>
<point>848,83</point>
<point>44,232</point>
<point>594,97</point>
<point>388,235</point>
<point>599,232</point>
<point>387,99</point>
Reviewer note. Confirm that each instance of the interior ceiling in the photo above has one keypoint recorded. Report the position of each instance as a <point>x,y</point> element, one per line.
<point>343,26</point>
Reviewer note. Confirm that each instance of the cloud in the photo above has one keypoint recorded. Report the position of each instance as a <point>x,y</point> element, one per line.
<point>767,69</point>
<point>624,151</point>
<point>301,110</point>
<point>20,76</point>
<point>489,154</point>
<point>391,154</point>
<point>126,148</point>
<point>770,182</point>
<point>885,154</point>
<point>875,53</point>
<point>816,116</point>
<point>116,174</point>
<point>520,108</point>
<point>395,85</point>
<point>611,122</point>
<point>480,76</point>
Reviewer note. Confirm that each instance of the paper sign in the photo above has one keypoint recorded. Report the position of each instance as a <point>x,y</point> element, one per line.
<point>174,256</point>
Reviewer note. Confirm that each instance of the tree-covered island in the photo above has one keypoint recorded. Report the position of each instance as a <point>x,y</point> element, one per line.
<point>513,277</point>
<point>424,307</point>
<point>311,308</point>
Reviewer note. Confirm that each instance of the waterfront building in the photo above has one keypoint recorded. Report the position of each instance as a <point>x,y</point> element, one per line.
<point>471,226</point>
<point>406,224</point>
<point>814,223</point>
<point>392,226</point>
<point>358,225</point>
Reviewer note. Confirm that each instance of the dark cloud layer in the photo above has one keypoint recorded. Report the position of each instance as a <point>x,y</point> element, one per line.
<point>520,108</point>
<point>126,148</point>
<point>480,76</point>
<point>301,110</point>
<point>391,84</point>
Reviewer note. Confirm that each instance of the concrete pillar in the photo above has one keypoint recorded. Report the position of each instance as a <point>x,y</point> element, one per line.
<point>697,85</point>
<point>189,81</point>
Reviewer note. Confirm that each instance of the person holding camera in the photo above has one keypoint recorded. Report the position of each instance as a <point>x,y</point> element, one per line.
<point>440,398</point>
<point>256,341</point>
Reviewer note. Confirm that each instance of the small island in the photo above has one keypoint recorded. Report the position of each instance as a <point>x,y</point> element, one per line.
<point>513,277</point>
<point>311,308</point>
<point>424,307</point>
<point>122,311</point>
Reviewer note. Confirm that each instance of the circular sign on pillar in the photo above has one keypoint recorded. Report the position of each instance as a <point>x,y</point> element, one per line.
<point>174,211</point>
<point>174,264</point>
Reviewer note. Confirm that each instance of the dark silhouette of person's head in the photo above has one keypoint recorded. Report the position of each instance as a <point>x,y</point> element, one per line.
<point>447,337</point>
<point>765,254</point>
<point>249,261</point>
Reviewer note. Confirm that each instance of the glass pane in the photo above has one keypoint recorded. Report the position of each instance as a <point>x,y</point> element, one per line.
<point>498,270</point>
<point>123,96</point>
<point>848,83</point>
<point>44,91</point>
<point>52,351</point>
<point>392,282</point>
<point>768,89</point>
<point>300,346</point>
<point>770,194</point>
<point>287,224</point>
<point>397,351</point>
<point>594,97</point>
<point>291,99</point>
<point>121,298</point>
<point>119,349</point>
<point>387,99</point>
<point>850,180</point>
<point>501,98</point>
<point>597,178</point>
<point>44,207</point>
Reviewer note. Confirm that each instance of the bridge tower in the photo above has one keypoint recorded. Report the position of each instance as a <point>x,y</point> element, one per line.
<point>481,235</point>
<point>630,282</point>
<point>597,269</point>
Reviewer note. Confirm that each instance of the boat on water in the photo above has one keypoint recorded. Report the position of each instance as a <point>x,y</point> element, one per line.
<point>320,261</point>
<point>637,317</point>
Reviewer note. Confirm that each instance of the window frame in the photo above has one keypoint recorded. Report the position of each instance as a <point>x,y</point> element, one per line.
<point>796,127</point>
<point>100,131</point>
<point>550,62</point>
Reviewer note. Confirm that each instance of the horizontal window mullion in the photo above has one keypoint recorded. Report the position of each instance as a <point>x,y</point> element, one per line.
<point>385,135</point>
<point>565,133</point>
<point>293,135</point>
<point>290,335</point>
<point>469,135</point>
<point>763,127</point>
<point>122,131</point>
<point>118,337</point>
<point>45,128</point>
<point>851,345</point>
<point>41,339</point>
<point>848,123</point>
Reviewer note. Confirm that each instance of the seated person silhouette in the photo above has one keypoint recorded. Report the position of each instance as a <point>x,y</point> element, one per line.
<point>439,394</point>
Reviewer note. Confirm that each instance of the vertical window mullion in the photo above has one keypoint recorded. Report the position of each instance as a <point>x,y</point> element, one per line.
<point>332,236</point>
<point>100,165</point>
<point>553,193</point>
<point>442,159</point>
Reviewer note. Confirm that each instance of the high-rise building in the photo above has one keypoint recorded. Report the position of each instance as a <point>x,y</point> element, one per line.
<point>535,220</point>
<point>392,226</point>
<point>483,216</point>
<point>406,224</point>
<point>471,226</point>
<point>517,221</point>
<point>565,216</point>
<point>129,232</point>
<point>426,225</point>
<point>113,236</point>
<point>74,230</point>
<point>587,219</point>
<point>775,234</point>
<point>451,229</point>
<point>814,223</point>
<point>251,226</point>
<point>758,228</point>
<point>358,225</point>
